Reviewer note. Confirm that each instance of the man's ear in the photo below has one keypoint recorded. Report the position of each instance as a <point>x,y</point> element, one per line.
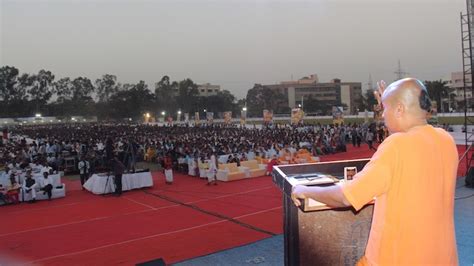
<point>400,110</point>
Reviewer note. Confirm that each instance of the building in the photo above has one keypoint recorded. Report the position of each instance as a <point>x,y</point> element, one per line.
<point>335,93</point>
<point>207,89</point>
<point>456,96</point>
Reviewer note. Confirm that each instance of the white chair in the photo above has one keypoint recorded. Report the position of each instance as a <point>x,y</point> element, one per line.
<point>58,191</point>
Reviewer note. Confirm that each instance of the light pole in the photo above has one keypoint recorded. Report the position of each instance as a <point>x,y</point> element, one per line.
<point>147,117</point>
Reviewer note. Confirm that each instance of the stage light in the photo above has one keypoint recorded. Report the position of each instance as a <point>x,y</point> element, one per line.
<point>38,115</point>
<point>244,109</point>
<point>163,113</point>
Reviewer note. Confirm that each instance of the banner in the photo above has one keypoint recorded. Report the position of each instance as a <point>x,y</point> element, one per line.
<point>196,118</point>
<point>228,117</point>
<point>337,115</point>
<point>243,117</point>
<point>267,116</point>
<point>186,118</point>
<point>210,117</point>
<point>296,116</point>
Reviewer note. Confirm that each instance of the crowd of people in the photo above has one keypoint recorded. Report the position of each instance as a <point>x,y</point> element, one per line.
<point>93,146</point>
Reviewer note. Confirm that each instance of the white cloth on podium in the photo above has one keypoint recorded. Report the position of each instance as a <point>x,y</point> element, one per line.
<point>97,182</point>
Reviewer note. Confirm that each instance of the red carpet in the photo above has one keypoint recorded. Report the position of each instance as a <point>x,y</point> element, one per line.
<point>86,229</point>
<point>89,229</point>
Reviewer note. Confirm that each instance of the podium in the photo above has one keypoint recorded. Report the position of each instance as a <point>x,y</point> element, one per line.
<point>315,234</point>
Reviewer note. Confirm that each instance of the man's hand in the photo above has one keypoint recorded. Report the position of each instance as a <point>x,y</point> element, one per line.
<point>297,194</point>
<point>379,92</point>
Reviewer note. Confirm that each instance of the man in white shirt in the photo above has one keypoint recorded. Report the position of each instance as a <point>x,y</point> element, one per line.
<point>213,166</point>
<point>84,167</point>
<point>47,185</point>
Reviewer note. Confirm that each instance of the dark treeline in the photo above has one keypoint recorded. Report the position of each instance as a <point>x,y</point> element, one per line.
<point>23,95</point>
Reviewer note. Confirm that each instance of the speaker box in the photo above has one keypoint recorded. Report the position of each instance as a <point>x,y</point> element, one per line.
<point>470,178</point>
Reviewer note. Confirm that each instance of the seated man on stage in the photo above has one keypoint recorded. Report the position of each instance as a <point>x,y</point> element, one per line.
<point>47,185</point>
<point>29,187</point>
<point>412,177</point>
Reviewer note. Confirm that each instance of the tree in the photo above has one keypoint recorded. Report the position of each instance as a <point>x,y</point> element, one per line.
<point>25,82</point>
<point>187,98</point>
<point>313,105</point>
<point>132,102</point>
<point>42,88</point>
<point>106,87</point>
<point>221,102</point>
<point>8,81</point>
<point>63,89</point>
<point>368,101</point>
<point>82,89</point>
<point>164,93</point>
<point>437,90</point>
<point>261,97</point>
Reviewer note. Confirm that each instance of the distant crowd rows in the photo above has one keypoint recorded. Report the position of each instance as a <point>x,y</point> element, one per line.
<point>51,145</point>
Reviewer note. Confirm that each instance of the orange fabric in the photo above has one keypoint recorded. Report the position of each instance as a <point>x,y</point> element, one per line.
<point>412,175</point>
<point>363,262</point>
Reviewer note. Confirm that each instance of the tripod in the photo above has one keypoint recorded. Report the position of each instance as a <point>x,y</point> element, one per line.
<point>106,183</point>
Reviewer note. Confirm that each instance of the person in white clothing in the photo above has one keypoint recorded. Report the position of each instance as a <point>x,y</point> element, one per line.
<point>47,185</point>
<point>211,174</point>
<point>84,168</point>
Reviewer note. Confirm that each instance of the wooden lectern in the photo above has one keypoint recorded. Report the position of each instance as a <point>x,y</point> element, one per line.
<point>315,234</point>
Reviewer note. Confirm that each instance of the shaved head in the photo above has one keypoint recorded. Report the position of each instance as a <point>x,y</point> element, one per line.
<point>406,104</point>
<point>411,93</point>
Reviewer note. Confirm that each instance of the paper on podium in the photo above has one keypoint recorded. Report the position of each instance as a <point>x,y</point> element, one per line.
<point>313,205</point>
<point>312,179</point>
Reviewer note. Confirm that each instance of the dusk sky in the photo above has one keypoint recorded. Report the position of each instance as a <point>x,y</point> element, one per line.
<point>230,43</point>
